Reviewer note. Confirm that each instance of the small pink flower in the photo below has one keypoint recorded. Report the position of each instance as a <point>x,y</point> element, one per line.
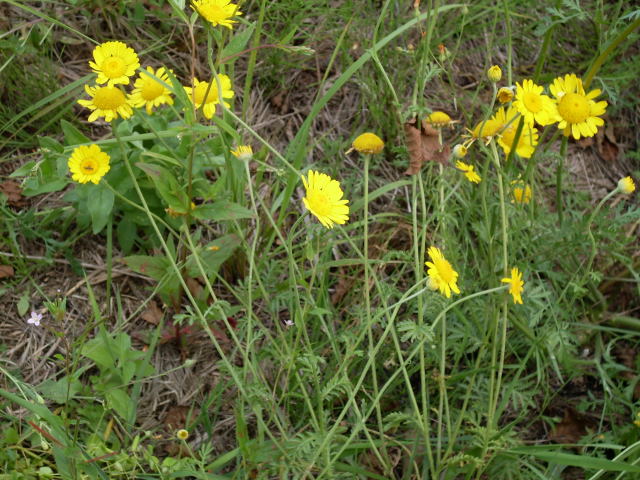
<point>288,323</point>
<point>34,319</point>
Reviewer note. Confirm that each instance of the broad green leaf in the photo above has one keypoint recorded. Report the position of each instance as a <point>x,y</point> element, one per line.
<point>212,256</point>
<point>222,210</point>
<point>51,144</point>
<point>24,170</point>
<point>126,232</point>
<point>33,186</point>
<point>118,400</point>
<point>154,267</point>
<point>60,391</point>
<point>72,135</point>
<point>98,350</point>
<point>238,43</point>
<point>100,204</point>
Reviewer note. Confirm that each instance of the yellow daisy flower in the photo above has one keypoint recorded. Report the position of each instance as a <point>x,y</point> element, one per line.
<point>150,93</point>
<point>578,113</point>
<point>505,94</point>
<point>516,285</point>
<point>439,119</point>
<point>243,152</point>
<point>88,163</point>
<point>528,137</point>
<point>114,63</point>
<point>107,102</point>
<point>213,98</point>
<point>324,199</point>
<point>494,74</point>
<point>442,276</point>
<point>468,171</point>
<point>218,12</point>
<point>521,191</point>
<point>368,143</point>
<point>533,105</point>
<point>487,129</point>
<point>626,185</point>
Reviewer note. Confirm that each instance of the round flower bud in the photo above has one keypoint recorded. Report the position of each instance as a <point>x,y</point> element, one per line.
<point>626,185</point>
<point>494,73</point>
<point>505,95</point>
<point>182,434</point>
<point>439,119</point>
<point>368,143</point>
<point>459,151</point>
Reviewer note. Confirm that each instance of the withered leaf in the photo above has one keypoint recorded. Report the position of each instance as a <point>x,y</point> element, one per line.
<point>6,271</point>
<point>424,146</point>
<point>607,145</point>
<point>153,313</point>
<point>571,428</point>
<point>13,192</point>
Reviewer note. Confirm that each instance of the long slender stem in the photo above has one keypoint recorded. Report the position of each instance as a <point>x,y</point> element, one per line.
<point>559,167</point>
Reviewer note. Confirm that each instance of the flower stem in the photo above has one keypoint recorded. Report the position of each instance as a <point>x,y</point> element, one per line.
<point>559,167</point>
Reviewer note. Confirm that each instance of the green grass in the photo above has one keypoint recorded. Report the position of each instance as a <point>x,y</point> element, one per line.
<point>378,376</point>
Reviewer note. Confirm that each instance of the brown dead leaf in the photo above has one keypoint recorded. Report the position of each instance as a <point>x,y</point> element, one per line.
<point>570,429</point>
<point>607,145</point>
<point>424,146</point>
<point>6,271</point>
<point>13,192</point>
<point>153,314</point>
<point>176,417</point>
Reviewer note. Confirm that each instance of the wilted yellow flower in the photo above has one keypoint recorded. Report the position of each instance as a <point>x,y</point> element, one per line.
<point>107,102</point>
<point>578,113</point>
<point>468,171</point>
<point>505,94</point>
<point>516,285</point>
<point>487,129</point>
<point>442,276</point>
<point>494,73</point>
<point>528,137</point>
<point>521,191</point>
<point>368,143</point>
<point>459,151</point>
<point>243,152</point>
<point>114,63</point>
<point>88,163</point>
<point>150,93</point>
<point>533,105</point>
<point>200,89</point>
<point>439,119</point>
<point>324,199</point>
<point>218,12</point>
<point>626,185</point>
<point>182,434</point>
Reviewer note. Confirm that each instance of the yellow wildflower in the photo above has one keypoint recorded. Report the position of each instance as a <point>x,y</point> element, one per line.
<point>88,163</point>
<point>442,276</point>
<point>324,199</point>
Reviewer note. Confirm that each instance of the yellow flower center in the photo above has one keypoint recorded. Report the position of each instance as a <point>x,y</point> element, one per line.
<point>108,98</point>
<point>319,202</point>
<point>445,270</point>
<point>201,90</point>
<point>574,108</point>
<point>89,166</point>
<point>532,101</point>
<point>114,67</point>
<point>151,90</point>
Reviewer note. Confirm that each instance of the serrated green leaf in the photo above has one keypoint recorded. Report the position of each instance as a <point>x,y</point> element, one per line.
<point>119,401</point>
<point>222,210</point>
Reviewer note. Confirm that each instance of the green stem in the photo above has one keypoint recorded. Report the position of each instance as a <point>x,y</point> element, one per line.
<point>559,167</point>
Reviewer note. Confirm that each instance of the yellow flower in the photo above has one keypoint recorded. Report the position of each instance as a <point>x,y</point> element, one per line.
<point>459,151</point>
<point>516,285</point>
<point>218,12</point>
<point>505,94</point>
<point>324,199</point>
<point>88,163</point>
<point>494,73</point>
<point>150,93</point>
<point>442,276</point>
<point>521,191</point>
<point>114,63</point>
<point>528,137</point>
<point>439,119</point>
<point>468,171</point>
<point>578,113</point>
<point>182,434</point>
<point>197,94</point>
<point>533,105</point>
<point>107,102</point>
<point>487,129</point>
<point>243,152</point>
<point>626,185</point>
<point>368,143</point>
